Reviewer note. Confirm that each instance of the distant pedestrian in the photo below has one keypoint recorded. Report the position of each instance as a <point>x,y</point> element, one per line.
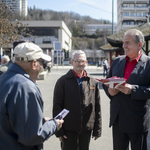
<point>105,67</point>
<point>4,67</point>
<point>79,93</point>
<point>5,59</point>
<point>49,66</point>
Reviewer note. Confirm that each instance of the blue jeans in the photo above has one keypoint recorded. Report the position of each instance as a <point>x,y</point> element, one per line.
<point>104,70</point>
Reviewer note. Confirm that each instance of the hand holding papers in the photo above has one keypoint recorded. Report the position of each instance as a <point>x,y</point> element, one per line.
<point>113,82</point>
<point>62,114</point>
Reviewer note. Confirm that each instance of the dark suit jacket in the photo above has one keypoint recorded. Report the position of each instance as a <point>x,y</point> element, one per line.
<point>133,110</point>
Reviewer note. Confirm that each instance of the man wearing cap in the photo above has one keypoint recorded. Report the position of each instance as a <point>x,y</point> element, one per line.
<point>22,123</point>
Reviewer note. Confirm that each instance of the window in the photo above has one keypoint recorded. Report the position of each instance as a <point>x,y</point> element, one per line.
<point>132,14</point>
<point>139,14</point>
<point>141,5</point>
<point>128,23</point>
<point>126,14</point>
<point>125,5</point>
<point>144,14</point>
<point>131,5</point>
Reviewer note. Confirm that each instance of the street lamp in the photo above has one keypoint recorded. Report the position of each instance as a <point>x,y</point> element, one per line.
<point>112,16</point>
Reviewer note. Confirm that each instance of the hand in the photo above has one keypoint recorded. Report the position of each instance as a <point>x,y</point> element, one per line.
<point>95,137</point>
<point>112,92</point>
<point>126,89</point>
<point>62,138</point>
<point>59,122</point>
<point>47,118</point>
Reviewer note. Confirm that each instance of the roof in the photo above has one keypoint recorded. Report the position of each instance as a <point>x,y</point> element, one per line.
<point>144,28</point>
<point>115,40</point>
<point>108,47</point>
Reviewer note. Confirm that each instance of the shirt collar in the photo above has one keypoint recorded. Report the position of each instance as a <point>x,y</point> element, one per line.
<point>136,59</point>
<point>83,75</point>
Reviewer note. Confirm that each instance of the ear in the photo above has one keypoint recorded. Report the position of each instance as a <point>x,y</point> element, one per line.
<point>71,62</point>
<point>33,64</point>
<point>140,45</point>
<point>86,62</point>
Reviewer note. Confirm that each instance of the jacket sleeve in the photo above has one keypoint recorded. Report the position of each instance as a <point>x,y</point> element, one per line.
<point>106,87</point>
<point>25,112</point>
<point>58,102</point>
<point>98,120</point>
<point>140,92</point>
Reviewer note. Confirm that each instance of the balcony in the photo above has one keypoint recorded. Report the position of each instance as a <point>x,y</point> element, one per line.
<point>127,26</point>
<point>128,18</point>
<point>135,1</point>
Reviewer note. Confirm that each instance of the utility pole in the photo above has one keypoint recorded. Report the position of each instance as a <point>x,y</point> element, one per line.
<point>112,16</point>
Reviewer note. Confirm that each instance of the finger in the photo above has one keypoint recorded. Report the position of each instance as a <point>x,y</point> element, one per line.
<point>65,137</point>
<point>61,139</point>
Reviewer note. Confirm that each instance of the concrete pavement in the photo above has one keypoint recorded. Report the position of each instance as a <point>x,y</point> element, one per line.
<point>47,86</point>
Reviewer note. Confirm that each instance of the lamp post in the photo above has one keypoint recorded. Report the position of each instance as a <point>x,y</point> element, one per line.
<point>112,16</point>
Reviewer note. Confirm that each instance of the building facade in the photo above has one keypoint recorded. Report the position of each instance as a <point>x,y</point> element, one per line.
<point>53,37</point>
<point>19,6</point>
<point>103,28</point>
<point>131,13</point>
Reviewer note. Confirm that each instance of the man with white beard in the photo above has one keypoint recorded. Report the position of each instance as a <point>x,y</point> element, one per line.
<point>78,92</point>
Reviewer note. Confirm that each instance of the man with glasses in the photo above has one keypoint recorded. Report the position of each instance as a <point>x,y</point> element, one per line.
<point>22,123</point>
<point>78,92</point>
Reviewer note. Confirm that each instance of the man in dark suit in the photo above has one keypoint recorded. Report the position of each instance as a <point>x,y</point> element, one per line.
<point>130,103</point>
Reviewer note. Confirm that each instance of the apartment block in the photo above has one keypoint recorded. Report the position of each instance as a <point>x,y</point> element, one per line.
<point>131,13</point>
<point>19,6</point>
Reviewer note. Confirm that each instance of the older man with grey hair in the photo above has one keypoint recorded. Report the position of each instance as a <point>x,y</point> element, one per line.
<point>22,123</point>
<point>130,102</point>
<point>78,92</point>
<point>5,59</point>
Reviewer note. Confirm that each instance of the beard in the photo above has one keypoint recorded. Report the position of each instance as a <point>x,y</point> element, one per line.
<point>79,68</point>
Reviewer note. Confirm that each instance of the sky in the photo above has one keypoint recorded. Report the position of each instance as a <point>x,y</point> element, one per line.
<point>97,9</point>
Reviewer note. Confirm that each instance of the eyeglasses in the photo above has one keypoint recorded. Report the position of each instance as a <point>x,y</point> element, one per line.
<point>41,61</point>
<point>80,61</point>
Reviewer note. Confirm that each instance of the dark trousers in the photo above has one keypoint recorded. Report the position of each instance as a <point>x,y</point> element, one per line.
<point>121,139</point>
<point>105,70</point>
<point>76,141</point>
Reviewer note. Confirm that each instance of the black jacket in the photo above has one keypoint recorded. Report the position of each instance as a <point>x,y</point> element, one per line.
<point>132,109</point>
<point>85,111</point>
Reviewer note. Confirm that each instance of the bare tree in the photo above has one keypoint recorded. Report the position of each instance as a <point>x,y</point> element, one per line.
<point>10,29</point>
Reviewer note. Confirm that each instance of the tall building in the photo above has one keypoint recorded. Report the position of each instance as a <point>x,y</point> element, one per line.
<point>131,13</point>
<point>17,5</point>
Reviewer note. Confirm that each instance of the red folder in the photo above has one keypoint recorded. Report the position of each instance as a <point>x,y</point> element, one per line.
<point>113,82</point>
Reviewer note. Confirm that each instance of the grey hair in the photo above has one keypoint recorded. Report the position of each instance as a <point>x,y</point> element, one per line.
<point>5,57</point>
<point>138,35</point>
<point>78,52</point>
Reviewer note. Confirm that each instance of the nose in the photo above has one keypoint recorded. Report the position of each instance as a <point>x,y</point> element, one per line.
<point>124,45</point>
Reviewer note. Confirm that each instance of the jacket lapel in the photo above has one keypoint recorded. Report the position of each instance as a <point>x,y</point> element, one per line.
<point>121,68</point>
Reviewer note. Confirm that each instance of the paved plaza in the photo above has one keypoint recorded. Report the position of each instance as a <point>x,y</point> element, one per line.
<point>47,87</point>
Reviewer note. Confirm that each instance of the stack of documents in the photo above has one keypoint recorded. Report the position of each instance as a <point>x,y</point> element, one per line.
<point>113,82</point>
